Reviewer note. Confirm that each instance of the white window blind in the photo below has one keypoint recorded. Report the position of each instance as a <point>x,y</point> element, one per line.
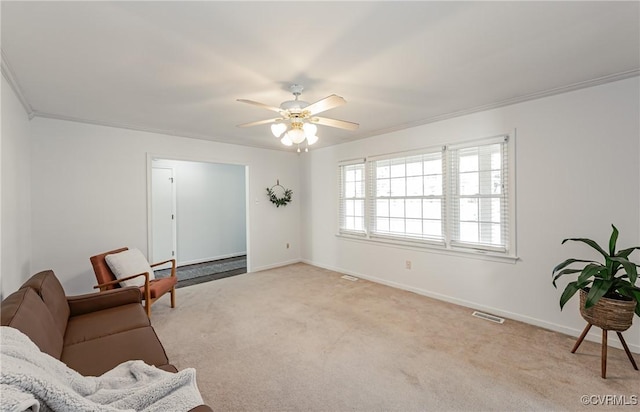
<point>407,197</point>
<point>351,182</point>
<point>479,195</point>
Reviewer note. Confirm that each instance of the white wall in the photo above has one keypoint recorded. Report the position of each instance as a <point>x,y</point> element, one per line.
<point>577,173</point>
<point>89,195</point>
<point>210,210</point>
<point>15,266</point>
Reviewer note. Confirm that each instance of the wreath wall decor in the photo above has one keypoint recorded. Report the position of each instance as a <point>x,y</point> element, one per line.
<point>275,199</point>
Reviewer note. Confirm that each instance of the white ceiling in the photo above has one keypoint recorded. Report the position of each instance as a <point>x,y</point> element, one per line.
<point>178,67</point>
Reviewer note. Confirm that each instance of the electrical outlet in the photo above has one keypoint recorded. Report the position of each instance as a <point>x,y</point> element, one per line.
<point>407,264</point>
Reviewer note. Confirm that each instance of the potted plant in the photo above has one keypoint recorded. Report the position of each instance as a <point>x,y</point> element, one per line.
<point>608,294</point>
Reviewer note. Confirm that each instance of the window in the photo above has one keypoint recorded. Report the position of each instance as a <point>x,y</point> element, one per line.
<point>479,201</point>
<point>352,198</point>
<point>455,197</point>
<point>408,197</point>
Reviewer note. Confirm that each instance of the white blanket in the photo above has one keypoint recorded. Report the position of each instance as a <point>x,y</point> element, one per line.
<point>33,380</point>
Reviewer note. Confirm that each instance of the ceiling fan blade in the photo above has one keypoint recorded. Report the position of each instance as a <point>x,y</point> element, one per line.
<point>341,124</point>
<point>259,122</point>
<point>325,104</point>
<point>264,106</point>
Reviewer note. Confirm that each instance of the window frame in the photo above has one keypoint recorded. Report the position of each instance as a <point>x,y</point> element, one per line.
<point>342,214</point>
<point>448,246</point>
<point>504,196</point>
<point>373,197</point>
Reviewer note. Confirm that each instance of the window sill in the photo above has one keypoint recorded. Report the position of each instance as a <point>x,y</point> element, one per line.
<point>431,248</point>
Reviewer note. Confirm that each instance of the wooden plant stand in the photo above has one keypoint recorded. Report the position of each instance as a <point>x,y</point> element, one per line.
<point>604,348</point>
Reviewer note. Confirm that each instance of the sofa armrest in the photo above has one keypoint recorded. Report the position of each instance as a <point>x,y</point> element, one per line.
<point>91,302</point>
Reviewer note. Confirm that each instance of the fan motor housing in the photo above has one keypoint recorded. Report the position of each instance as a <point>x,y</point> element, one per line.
<point>294,105</point>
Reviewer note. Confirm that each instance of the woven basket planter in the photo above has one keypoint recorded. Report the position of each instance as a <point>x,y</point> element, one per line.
<point>608,314</point>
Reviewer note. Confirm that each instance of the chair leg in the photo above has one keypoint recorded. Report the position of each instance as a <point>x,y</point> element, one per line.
<point>581,338</point>
<point>626,349</point>
<point>604,354</point>
<point>173,297</point>
<point>147,306</point>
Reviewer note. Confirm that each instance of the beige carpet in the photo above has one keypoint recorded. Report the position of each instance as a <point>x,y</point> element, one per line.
<point>300,338</point>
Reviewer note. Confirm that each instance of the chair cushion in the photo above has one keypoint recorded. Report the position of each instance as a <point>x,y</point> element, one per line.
<point>25,311</point>
<point>159,287</point>
<point>127,263</point>
<point>47,285</point>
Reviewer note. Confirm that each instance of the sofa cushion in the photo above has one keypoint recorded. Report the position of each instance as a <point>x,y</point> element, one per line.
<point>93,302</point>
<point>47,285</point>
<point>95,357</point>
<point>25,311</point>
<point>105,322</point>
<point>128,263</point>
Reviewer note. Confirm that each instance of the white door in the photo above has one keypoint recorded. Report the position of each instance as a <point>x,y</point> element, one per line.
<point>163,214</point>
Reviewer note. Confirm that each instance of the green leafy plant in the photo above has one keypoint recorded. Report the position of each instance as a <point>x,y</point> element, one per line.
<point>615,278</point>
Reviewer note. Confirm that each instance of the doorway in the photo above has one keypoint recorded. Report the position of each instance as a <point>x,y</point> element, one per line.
<point>197,214</point>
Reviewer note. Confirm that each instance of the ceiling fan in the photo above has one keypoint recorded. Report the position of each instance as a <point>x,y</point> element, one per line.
<point>297,120</point>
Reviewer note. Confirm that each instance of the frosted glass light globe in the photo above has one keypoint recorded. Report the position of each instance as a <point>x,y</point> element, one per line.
<point>286,140</point>
<point>311,139</point>
<point>310,129</point>
<point>278,128</point>
<point>296,136</point>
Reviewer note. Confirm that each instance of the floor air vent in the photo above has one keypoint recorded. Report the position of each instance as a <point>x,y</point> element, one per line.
<point>348,277</point>
<point>488,317</point>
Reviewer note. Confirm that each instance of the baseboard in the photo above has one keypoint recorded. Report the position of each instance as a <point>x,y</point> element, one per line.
<point>209,259</point>
<point>592,336</point>
<point>275,265</point>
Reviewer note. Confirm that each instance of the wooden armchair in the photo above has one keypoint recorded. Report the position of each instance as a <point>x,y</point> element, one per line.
<point>152,288</point>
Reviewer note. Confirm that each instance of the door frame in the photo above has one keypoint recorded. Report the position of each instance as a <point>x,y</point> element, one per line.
<point>174,221</point>
<point>161,156</point>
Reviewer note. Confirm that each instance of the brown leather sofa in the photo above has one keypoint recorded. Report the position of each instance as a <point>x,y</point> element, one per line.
<point>90,333</point>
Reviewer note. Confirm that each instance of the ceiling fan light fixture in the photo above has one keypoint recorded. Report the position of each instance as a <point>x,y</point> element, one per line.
<point>278,128</point>
<point>297,122</point>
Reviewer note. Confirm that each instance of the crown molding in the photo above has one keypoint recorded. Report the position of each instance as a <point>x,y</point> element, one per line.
<point>7,73</point>
<point>124,126</point>
<point>515,100</point>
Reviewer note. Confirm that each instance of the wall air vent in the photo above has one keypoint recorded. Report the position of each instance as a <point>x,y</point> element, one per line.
<point>488,317</point>
<point>348,277</point>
